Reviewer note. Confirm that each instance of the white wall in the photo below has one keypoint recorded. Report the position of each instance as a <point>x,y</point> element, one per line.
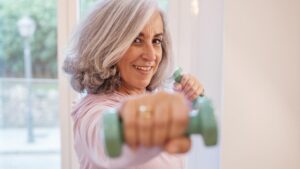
<point>261,118</point>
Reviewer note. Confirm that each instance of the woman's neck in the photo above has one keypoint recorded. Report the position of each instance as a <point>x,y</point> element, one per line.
<point>130,91</point>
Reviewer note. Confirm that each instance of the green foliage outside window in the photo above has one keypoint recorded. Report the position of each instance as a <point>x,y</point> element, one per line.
<point>43,43</point>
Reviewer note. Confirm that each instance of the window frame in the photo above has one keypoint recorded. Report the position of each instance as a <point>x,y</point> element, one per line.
<point>67,12</point>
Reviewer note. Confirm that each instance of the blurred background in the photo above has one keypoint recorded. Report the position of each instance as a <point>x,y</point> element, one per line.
<point>246,53</point>
<point>29,122</point>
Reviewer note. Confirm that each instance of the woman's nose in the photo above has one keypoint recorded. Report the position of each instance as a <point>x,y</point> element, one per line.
<point>149,52</point>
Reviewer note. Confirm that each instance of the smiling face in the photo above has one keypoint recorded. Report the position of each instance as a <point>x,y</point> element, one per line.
<point>140,62</point>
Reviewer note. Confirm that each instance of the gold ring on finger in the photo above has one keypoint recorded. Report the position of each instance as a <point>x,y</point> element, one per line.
<point>144,112</point>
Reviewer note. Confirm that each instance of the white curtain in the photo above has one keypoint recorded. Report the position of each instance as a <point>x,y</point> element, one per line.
<point>197,32</point>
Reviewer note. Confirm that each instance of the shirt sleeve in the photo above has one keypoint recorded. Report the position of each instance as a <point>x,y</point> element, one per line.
<point>90,146</point>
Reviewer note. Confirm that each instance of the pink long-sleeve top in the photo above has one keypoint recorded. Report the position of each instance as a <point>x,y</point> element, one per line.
<point>89,145</point>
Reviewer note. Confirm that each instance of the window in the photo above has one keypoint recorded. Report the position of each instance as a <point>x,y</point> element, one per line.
<point>29,125</point>
<point>85,5</point>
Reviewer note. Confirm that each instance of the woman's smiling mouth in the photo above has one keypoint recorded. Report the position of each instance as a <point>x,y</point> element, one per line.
<point>143,68</point>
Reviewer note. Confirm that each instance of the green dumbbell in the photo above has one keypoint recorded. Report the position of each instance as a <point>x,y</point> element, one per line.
<point>201,121</point>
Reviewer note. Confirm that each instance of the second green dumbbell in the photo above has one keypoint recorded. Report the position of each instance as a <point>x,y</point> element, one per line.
<point>205,119</point>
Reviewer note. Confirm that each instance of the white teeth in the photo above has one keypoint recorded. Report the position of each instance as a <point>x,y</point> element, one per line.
<point>144,68</point>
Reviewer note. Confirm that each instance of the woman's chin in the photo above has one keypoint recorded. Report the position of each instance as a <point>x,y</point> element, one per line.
<point>143,85</point>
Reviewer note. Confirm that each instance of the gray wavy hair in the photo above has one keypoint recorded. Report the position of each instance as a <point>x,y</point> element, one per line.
<point>102,39</point>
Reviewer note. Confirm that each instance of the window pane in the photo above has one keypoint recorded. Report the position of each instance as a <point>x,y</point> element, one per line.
<point>85,5</point>
<point>29,126</point>
<point>163,4</point>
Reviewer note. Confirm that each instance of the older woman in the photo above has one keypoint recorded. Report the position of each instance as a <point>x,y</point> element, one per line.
<point>121,57</point>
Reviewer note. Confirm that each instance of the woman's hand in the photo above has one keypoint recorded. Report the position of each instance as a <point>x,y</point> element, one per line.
<point>190,86</point>
<point>158,119</point>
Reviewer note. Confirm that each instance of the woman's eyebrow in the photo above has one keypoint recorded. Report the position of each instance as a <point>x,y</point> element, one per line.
<point>159,34</point>
<point>156,35</point>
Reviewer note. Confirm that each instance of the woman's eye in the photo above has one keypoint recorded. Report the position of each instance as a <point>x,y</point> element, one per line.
<point>137,40</point>
<point>157,41</point>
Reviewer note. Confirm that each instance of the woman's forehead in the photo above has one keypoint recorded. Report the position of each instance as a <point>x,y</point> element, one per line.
<point>154,25</point>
